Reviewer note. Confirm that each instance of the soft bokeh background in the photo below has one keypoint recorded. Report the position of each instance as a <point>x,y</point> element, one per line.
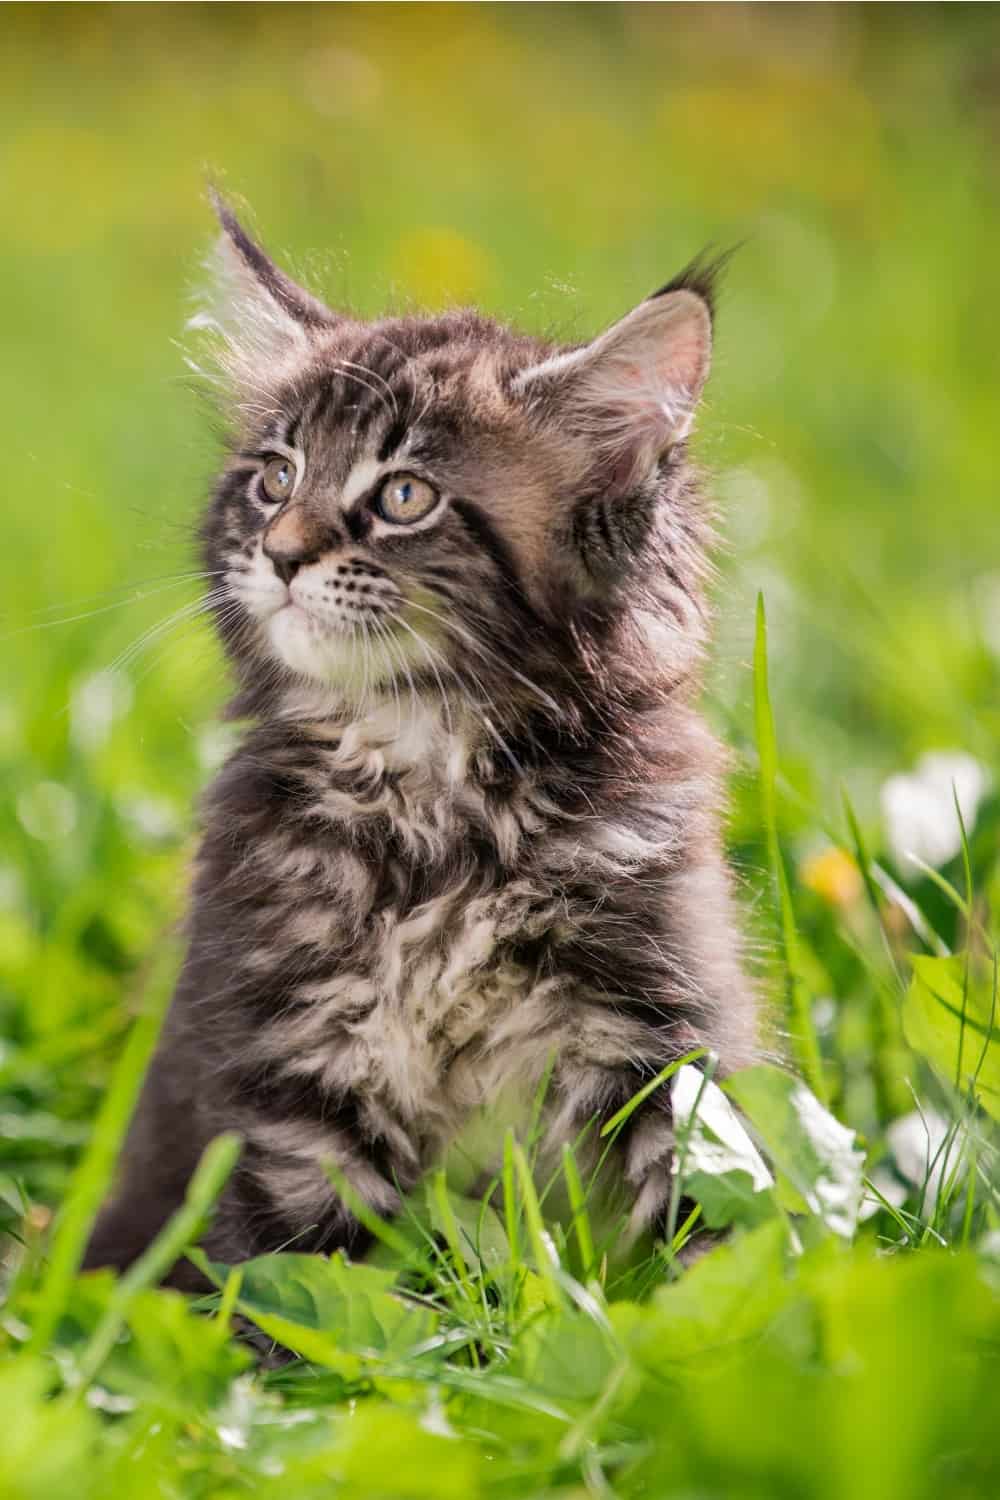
<point>552,164</point>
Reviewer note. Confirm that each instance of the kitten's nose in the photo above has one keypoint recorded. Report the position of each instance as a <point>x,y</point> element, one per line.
<point>284,564</point>
<point>294,538</point>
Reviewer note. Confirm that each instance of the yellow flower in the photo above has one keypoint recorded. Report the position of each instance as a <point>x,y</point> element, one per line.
<point>833,875</point>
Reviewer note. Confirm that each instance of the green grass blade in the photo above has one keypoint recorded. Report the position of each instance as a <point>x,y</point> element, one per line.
<point>683,1234</point>
<point>187,1224</point>
<point>366,1216</point>
<point>534,1136</point>
<point>884,1006</point>
<point>967,867</point>
<point>541,1244</point>
<point>871,889</point>
<point>227,1302</point>
<point>578,1206</point>
<point>93,1176</point>
<point>914,915</point>
<point>800,1013</point>
<point>680,1156</point>
<point>439,1187</point>
<point>510,1203</point>
<point>618,1120</point>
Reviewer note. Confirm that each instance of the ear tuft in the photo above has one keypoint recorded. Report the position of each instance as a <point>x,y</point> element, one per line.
<point>256,316</point>
<point>293,300</point>
<point>703,276</point>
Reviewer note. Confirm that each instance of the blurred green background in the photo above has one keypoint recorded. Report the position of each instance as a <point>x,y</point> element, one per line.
<point>552,164</point>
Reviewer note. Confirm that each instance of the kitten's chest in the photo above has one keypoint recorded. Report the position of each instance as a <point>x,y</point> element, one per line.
<point>448,979</point>
<point>429,932</point>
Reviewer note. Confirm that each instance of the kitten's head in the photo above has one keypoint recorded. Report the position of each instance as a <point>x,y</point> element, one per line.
<point>447,505</point>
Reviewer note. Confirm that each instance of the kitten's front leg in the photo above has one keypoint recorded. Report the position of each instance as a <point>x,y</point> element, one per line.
<point>584,1096</point>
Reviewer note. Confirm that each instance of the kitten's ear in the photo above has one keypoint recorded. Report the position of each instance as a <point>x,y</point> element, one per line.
<point>634,389</point>
<point>259,311</point>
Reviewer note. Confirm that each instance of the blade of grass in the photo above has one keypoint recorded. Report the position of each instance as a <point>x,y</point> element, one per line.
<point>534,1136</point>
<point>911,911</point>
<point>890,1208</point>
<point>884,1006</point>
<point>510,1205</point>
<point>578,1206</point>
<point>683,1137</point>
<point>367,1217</point>
<point>800,1014</point>
<point>439,1187</point>
<point>92,1177</point>
<point>618,1120</point>
<point>683,1234</point>
<point>871,889</point>
<point>227,1302</point>
<point>540,1241</point>
<point>187,1224</point>
<point>967,867</point>
<point>970,1199</point>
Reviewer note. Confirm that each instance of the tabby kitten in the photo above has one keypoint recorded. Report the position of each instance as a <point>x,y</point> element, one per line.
<point>471,828</point>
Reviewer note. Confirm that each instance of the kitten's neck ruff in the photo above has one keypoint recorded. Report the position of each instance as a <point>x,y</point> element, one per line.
<point>396,735</point>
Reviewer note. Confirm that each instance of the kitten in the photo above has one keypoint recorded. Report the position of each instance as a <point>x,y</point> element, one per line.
<point>471,829</point>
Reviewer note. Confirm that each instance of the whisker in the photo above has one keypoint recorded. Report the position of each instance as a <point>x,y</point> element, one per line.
<point>430,659</point>
<point>385,639</point>
<point>135,596</point>
<point>349,375</point>
<point>344,364</point>
<point>488,655</point>
<point>190,610</point>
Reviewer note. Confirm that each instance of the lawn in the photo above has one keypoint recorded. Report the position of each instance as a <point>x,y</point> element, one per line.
<point>552,164</point>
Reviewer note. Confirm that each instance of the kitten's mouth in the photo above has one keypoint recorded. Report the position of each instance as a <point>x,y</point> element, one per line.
<point>351,646</point>
<point>334,622</point>
<point>347,630</point>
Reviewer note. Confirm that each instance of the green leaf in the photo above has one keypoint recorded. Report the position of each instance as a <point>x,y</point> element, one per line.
<point>385,1452</point>
<point>93,1176</point>
<point>727,1296</point>
<point>809,1147</point>
<point>950,1018</point>
<point>49,1445</point>
<point>480,1231</point>
<point>718,1163</point>
<point>329,1311</point>
<point>182,1228</point>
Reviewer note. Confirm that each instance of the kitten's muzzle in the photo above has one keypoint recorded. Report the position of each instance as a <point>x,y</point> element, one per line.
<point>295,538</point>
<point>340,590</point>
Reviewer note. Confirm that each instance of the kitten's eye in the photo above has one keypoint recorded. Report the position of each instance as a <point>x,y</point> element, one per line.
<point>277,480</point>
<point>405,498</point>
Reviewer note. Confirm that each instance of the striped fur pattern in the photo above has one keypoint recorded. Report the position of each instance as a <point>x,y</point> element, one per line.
<point>471,827</point>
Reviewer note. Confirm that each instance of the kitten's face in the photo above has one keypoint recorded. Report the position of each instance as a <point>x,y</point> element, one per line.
<point>428,504</point>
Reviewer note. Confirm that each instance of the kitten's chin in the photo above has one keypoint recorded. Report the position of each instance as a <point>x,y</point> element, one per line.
<point>318,651</point>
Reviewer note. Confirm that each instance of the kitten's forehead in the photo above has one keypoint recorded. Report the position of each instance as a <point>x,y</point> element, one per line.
<point>404,390</point>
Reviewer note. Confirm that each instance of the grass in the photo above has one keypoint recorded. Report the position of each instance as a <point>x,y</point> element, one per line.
<point>553,164</point>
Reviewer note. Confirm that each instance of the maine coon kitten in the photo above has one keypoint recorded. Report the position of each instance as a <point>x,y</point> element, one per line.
<point>471,827</point>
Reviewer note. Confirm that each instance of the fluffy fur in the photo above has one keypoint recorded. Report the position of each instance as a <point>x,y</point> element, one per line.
<point>471,826</point>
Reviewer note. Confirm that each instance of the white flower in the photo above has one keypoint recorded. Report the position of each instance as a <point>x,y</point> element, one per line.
<point>919,809</point>
<point>153,818</point>
<point>717,1142</point>
<point>96,703</point>
<point>47,811</point>
<point>922,1153</point>
<point>986,591</point>
<point>837,1187</point>
<point>215,744</point>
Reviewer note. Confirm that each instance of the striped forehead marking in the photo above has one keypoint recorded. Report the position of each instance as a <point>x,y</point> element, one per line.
<point>361,479</point>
